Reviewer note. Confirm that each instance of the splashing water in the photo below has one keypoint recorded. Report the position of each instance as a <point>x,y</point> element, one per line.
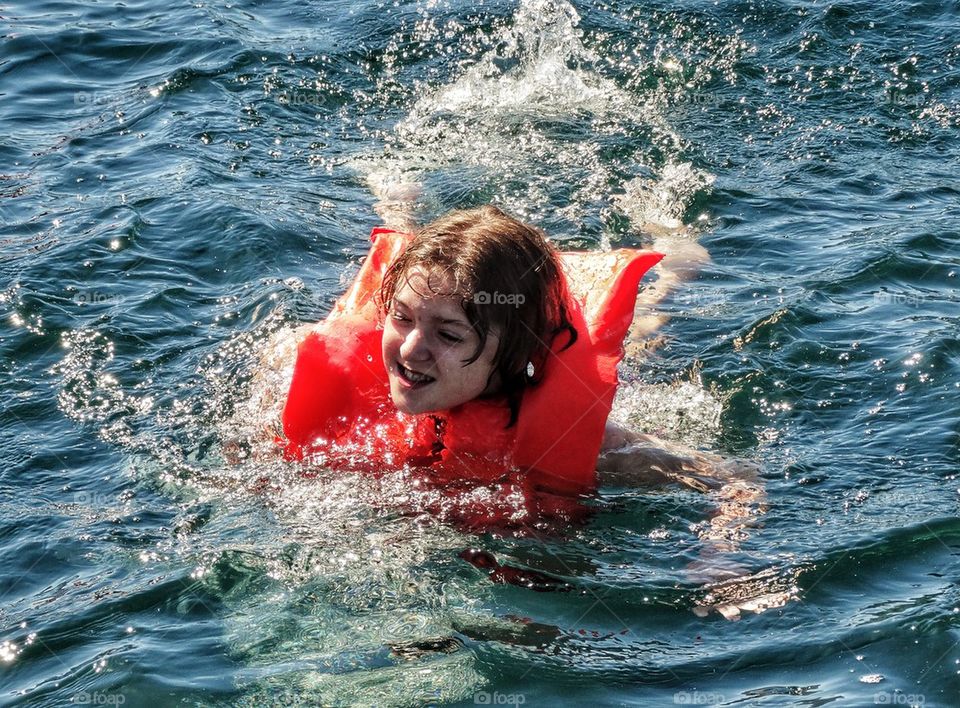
<point>683,411</point>
<point>529,126</point>
<point>346,571</point>
<point>660,205</point>
<point>529,74</point>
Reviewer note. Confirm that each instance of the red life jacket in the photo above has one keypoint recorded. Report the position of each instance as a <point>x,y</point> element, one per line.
<point>339,406</point>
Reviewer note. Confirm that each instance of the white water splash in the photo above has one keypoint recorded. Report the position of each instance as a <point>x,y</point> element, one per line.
<point>530,124</point>
<point>661,204</point>
<point>684,412</point>
<point>535,72</point>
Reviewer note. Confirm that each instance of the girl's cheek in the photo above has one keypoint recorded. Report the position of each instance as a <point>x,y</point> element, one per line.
<point>391,341</point>
<point>453,355</point>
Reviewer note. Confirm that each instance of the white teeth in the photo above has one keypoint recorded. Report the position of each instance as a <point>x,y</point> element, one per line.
<point>413,375</point>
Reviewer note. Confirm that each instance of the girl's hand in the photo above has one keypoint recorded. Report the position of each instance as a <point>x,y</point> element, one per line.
<point>633,459</point>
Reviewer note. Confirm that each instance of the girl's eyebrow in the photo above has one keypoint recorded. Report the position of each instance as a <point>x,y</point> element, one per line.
<point>462,322</point>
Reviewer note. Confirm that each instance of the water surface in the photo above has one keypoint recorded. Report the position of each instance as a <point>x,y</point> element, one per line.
<point>178,184</point>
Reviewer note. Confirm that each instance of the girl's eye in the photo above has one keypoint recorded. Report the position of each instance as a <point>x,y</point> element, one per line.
<point>398,317</point>
<point>452,338</point>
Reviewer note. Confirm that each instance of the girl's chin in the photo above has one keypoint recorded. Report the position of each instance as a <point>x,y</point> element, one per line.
<point>405,405</point>
<point>415,410</point>
<point>417,401</point>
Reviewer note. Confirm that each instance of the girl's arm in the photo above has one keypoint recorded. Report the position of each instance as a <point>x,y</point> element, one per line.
<point>631,459</point>
<point>683,259</point>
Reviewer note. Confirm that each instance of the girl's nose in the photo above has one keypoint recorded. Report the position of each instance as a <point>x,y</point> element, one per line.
<point>414,346</point>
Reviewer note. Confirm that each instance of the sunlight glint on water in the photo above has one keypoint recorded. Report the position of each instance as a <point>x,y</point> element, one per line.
<point>197,184</point>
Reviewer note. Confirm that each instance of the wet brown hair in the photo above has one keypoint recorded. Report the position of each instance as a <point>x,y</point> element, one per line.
<point>510,279</point>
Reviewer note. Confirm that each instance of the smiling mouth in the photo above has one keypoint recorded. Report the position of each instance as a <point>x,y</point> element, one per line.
<point>413,378</point>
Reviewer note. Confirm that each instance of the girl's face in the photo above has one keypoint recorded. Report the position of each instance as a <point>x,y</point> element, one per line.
<point>426,339</point>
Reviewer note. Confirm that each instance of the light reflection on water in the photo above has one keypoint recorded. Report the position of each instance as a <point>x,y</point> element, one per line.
<point>171,205</point>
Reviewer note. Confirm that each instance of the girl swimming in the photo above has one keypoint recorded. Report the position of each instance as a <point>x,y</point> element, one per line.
<point>485,364</point>
<point>467,354</point>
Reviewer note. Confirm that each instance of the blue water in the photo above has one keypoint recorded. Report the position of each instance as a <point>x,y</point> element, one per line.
<point>179,184</point>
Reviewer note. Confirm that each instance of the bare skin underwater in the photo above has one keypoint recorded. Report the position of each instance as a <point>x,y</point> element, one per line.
<point>632,459</point>
<point>628,458</point>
